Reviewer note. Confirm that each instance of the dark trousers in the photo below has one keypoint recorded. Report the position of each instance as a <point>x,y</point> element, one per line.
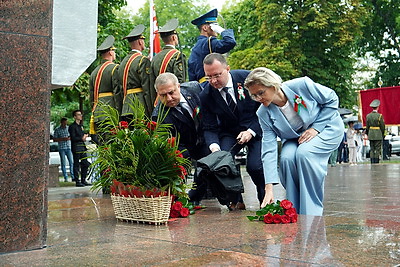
<point>375,148</point>
<point>253,166</point>
<point>81,162</point>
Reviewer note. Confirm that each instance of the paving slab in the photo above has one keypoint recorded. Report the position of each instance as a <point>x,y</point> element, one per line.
<point>360,227</point>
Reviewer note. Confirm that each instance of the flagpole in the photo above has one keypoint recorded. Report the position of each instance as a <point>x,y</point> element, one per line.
<point>151,53</point>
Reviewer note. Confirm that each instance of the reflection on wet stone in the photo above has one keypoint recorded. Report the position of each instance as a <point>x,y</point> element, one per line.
<point>360,227</point>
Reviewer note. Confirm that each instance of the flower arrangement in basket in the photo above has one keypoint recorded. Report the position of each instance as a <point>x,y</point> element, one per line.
<point>277,212</point>
<point>141,164</point>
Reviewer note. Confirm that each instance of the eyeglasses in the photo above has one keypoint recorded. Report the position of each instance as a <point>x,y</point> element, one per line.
<point>216,76</point>
<point>258,95</point>
<point>169,93</point>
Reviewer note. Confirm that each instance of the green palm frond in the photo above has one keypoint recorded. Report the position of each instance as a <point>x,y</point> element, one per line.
<point>143,154</point>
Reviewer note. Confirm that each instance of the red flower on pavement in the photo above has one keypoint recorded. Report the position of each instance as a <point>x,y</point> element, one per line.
<point>286,204</point>
<point>277,212</point>
<point>290,212</point>
<point>174,214</point>
<point>177,206</point>
<point>277,218</point>
<point>268,218</point>
<point>184,212</point>
<point>285,219</point>
<point>294,218</point>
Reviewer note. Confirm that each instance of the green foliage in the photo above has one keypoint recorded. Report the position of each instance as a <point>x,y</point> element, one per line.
<point>300,38</point>
<point>184,10</point>
<point>142,153</point>
<point>106,10</point>
<point>381,37</point>
<point>273,208</point>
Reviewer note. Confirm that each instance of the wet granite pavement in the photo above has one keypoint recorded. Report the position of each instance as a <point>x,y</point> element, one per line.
<point>360,227</point>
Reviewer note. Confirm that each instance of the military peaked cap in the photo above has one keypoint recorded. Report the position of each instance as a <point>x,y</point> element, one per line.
<point>136,33</point>
<point>107,44</point>
<point>209,17</point>
<point>375,103</point>
<point>169,28</point>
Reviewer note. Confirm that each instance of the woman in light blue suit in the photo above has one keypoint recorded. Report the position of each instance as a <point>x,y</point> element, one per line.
<point>304,114</point>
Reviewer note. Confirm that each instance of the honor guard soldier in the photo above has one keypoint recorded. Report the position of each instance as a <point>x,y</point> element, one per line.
<point>169,59</point>
<point>104,83</point>
<point>375,130</point>
<point>207,43</point>
<point>134,74</point>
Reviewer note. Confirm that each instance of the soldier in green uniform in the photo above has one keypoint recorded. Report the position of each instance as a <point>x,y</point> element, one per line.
<point>134,75</point>
<point>169,59</point>
<point>104,84</point>
<point>375,131</point>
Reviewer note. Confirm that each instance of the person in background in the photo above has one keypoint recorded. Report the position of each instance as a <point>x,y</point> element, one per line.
<point>359,143</point>
<point>229,118</point>
<point>134,75</point>
<point>61,135</point>
<point>375,130</point>
<point>351,143</point>
<point>365,144</point>
<point>343,150</point>
<point>333,158</point>
<point>304,114</point>
<point>78,138</point>
<point>208,43</point>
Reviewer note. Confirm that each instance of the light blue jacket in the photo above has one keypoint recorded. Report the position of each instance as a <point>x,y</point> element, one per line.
<point>320,112</point>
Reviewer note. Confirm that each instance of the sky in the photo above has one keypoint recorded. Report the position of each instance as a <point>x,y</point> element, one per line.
<point>136,4</point>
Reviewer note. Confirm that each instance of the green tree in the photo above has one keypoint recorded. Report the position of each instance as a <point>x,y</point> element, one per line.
<point>183,10</point>
<point>382,39</point>
<point>300,38</point>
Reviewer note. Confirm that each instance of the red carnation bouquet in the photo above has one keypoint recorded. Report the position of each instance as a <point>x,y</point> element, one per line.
<point>277,212</point>
<point>181,207</point>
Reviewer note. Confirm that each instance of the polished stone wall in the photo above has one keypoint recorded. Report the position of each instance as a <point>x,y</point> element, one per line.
<point>25,73</point>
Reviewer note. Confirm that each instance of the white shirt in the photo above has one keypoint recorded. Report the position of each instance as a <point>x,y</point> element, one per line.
<point>185,104</point>
<point>229,85</point>
<point>293,118</point>
<point>231,91</point>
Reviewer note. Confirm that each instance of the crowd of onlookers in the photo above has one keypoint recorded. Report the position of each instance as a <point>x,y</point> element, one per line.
<point>360,144</point>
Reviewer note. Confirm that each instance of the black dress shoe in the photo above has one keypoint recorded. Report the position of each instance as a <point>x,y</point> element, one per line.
<point>79,184</point>
<point>86,183</point>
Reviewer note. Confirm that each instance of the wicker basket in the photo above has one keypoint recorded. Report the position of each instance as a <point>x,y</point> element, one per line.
<point>153,210</point>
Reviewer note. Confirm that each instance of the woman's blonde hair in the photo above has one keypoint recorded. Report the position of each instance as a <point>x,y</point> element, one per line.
<point>263,76</point>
